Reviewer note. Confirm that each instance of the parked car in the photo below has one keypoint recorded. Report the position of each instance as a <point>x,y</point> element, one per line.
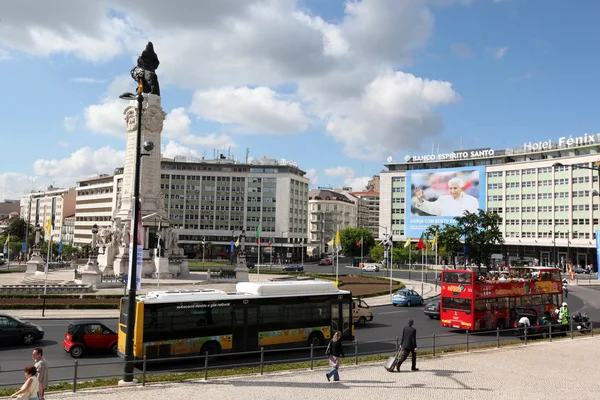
<point>578,269</point>
<point>326,261</point>
<point>406,297</point>
<point>89,337</point>
<point>432,309</point>
<point>296,268</point>
<point>250,265</point>
<point>370,268</point>
<point>13,330</point>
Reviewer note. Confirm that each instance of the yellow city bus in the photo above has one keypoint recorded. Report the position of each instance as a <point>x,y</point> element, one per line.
<point>265,314</point>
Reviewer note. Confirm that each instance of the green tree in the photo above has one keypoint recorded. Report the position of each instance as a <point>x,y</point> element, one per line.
<point>350,237</point>
<point>376,252</point>
<point>481,232</point>
<point>17,228</point>
<point>449,237</point>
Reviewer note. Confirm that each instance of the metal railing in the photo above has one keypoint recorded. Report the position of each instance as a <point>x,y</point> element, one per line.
<point>433,345</point>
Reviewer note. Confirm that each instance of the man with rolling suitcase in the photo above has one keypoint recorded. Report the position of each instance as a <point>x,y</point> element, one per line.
<point>408,344</point>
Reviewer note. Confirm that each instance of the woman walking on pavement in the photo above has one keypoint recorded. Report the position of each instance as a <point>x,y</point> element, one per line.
<point>335,351</point>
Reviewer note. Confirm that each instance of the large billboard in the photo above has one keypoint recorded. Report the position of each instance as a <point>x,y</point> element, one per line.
<point>436,196</point>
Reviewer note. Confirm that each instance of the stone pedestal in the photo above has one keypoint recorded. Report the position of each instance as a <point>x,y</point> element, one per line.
<point>106,261</point>
<point>121,262</point>
<point>33,263</point>
<point>161,268</point>
<point>91,275</point>
<point>242,272</point>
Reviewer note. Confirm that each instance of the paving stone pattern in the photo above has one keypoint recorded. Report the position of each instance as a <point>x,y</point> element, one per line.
<point>562,369</point>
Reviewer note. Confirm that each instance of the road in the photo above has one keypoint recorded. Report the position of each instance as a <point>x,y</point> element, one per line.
<point>376,337</point>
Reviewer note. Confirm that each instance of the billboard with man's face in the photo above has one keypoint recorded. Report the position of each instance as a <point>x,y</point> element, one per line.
<point>436,196</point>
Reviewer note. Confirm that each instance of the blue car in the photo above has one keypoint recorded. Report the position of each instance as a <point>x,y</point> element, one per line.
<point>406,297</point>
<point>297,268</point>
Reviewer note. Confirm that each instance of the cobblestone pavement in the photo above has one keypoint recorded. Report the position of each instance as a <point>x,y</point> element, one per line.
<point>559,370</point>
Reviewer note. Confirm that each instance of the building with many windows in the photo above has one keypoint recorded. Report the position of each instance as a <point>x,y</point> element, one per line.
<point>368,211</point>
<point>329,211</point>
<point>54,204</point>
<point>213,201</point>
<point>96,201</point>
<point>546,193</point>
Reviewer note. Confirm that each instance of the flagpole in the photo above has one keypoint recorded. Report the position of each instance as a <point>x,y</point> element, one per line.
<point>258,264</point>
<point>422,264</point>
<point>46,272</point>
<point>362,245</point>
<point>391,262</point>
<point>422,269</point>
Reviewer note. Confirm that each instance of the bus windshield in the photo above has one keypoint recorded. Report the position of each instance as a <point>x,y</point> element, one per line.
<point>457,277</point>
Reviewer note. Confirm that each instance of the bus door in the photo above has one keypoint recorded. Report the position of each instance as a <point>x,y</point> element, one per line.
<point>341,319</point>
<point>245,328</point>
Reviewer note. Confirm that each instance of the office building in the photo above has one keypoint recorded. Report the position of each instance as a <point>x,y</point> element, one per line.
<point>329,211</point>
<point>54,204</point>
<point>546,193</point>
<point>213,201</point>
<point>97,199</point>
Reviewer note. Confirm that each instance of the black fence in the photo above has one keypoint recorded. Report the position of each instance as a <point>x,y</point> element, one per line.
<point>432,346</point>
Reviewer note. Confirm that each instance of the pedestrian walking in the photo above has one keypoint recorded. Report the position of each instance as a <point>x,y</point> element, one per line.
<point>29,390</point>
<point>409,345</point>
<point>41,367</point>
<point>335,351</point>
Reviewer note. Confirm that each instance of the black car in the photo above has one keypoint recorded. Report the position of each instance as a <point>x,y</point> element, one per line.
<point>295,268</point>
<point>250,265</point>
<point>432,309</point>
<point>13,330</point>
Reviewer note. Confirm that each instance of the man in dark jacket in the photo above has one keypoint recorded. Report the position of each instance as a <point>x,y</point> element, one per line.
<point>409,344</point>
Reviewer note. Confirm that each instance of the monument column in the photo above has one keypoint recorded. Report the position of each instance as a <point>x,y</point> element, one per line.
<point>153,118</point>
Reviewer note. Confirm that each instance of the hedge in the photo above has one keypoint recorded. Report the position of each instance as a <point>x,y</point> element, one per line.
<point>61,296</point>
<point>54,306</point>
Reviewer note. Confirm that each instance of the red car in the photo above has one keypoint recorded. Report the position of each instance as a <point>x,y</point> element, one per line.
<point>89,337</point>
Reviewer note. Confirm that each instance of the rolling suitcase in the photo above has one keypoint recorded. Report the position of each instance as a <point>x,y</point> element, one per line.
<point>391,362</point>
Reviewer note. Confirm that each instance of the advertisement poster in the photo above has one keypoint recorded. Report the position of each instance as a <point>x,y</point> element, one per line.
<point>597,251</point>
<point>436,196</point>
<point>140,254</point>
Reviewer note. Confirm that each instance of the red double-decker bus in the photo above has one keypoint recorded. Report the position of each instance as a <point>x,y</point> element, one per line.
<point>473,301</point>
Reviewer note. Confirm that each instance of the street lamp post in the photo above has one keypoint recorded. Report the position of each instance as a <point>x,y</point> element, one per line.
<point>133,245</point>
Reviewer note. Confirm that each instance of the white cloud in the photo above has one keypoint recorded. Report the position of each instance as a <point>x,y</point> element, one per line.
<point>172,149</point>
<point>312,176</point>
<point>348,175</point>
<point>87,80</point>
<point>63,143</point>
<point>177,124</point>
<point>395,112</point>
<point>237,54</point>
<point>107,116</point>
<point>70,123</point>
<point>500,52</point>
<point>14,185</point>
<point>259,110</point>
<point>82,163</point>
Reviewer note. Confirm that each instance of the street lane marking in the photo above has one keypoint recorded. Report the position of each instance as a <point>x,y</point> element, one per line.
<point>392,312</point>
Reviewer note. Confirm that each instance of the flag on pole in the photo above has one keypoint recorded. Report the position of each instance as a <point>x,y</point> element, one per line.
<point>407,244</point>
<point>330,243</point>
<point>258,234</point>
<point>237,242</point>
<point>359,243</point>
<point>270,241</point>
<point>231,245</point>
<point>6,244</point>
<point>421,245</point>
<point>338,244</point>
<point>49,226</point>
<point>434,243</point>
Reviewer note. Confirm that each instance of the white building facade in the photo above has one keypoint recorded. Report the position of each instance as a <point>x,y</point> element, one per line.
<point>545,193</point>
<point>53,204</point>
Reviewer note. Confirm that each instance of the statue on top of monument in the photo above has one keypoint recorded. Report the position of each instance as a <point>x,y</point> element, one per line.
<point>145,71</point>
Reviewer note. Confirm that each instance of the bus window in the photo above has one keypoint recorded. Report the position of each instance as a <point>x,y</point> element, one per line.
<point>547,298</point>
<point>556,276</point>
<point>480,305</point>
<point>536,300</point>
<point>451,303</point>
<point>526,301</point>
<point>502,303</point>
<point>457,277</point>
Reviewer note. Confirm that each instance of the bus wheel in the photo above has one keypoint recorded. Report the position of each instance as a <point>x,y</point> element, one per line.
<point>315,339</point>
<point>501,324</point>
<point>210,348</point>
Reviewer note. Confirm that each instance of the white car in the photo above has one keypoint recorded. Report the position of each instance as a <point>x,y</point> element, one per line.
<point>370,268</point>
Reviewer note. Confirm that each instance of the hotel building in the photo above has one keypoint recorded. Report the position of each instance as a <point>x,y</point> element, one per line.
<point>546,193</point>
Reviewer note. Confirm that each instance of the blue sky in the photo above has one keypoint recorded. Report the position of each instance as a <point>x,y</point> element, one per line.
<point>337,87</point>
